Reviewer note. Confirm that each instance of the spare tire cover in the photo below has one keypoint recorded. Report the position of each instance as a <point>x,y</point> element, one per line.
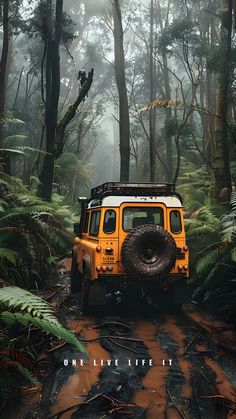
<point>148,251</point>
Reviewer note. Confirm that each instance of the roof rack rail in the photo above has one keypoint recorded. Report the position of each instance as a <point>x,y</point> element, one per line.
<point>133,189</point>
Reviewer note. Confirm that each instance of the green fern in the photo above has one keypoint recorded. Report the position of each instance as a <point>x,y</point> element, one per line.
<point>27,375</point>
<point>9,255</point>
<point>32,229</point>
<point>206,262</point>
<point>233,201</point>
<point>53,327</point>
<point>15,297</point>
<point>34,310</point>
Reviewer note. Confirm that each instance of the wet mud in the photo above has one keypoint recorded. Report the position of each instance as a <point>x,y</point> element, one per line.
<point>155,365</point>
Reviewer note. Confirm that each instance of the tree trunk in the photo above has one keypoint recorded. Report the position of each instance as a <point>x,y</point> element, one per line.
<point>52,98</point>
<point>152,111</point>
<point>4,70</point>
<point>70,113</point>
<point>168,112</point>
<point>223,184</point>
<point>168,118</point>
<point>124,125</point>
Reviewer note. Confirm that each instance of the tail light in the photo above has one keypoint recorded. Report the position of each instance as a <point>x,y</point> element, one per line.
<point>98,268</point>
<point>185,248</point>
<point>180,267</point>
<point>98,249</point>
<point>104,268</point>
<point>185,267</point>
<point>110,268</point>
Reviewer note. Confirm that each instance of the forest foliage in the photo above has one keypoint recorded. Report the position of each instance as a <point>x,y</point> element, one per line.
<point>156,103</point>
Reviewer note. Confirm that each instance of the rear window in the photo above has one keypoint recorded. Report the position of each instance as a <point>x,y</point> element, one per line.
<point>86,221</point>
<point>136,216</point>
<point>94,223</point>
<point>175,222</point>
<point>109,224</point>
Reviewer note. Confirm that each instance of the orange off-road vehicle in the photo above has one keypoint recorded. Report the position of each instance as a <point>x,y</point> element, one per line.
<point>131,243</point>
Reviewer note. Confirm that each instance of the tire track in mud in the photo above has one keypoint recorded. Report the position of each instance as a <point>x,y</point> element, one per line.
<point>153,394</point>
<point>166,343</point>
<point>79,384</point>
<point>182,390</point>
<point>211,373</point>
<point>192,375</point>
<point>118,383</point>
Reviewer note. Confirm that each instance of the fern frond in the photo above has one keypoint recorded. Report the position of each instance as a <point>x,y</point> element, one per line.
<point>233,201</point>
<point>199,230</point>
<point>11,140</point>
<point>210,279</point>
<point>27,375</point>
<point>15,297</point>
<point>48,326</point>
<point>8,255</point>
<point>210,259</point>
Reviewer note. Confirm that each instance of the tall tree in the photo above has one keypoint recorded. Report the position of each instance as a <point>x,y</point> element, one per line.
<point>4,71</point>
<point>124,124</point>
<point>152,111</point>
<point>55,130</point>
<point>167,90</point>
<point>52,44</point>
<point>223,184</point>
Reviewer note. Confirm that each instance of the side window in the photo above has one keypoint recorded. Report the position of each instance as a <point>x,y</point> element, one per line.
<point>109,224</point>
<point>175,222</point>
<point>86,221</point>
<point>94,223</point>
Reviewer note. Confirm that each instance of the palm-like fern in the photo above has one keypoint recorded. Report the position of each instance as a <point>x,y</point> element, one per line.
<point>29,308</point>
<point>20,307</point>
<point>214,258</point>
<point>31,232</point>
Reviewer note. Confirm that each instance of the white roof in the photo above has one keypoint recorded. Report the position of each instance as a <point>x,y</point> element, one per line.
<point>116,201</point>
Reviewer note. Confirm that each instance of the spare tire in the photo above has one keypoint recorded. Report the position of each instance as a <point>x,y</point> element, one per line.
<point>148,251</point>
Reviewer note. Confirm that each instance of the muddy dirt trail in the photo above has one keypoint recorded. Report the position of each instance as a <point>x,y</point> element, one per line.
<point>141,363</point>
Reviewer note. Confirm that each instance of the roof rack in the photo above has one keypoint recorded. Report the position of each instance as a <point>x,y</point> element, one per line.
<point>133,189</point>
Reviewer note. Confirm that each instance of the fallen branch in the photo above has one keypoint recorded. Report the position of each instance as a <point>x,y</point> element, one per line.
<point>79,405</point>
<point>59,288</point>
<point>121,405</point>
<point>191,342</point>
<point>113,323</point>
<point>122,346</point>
<point>174,404</point>
<point>114,400</point>
<point>58,346</point>
<point>208,351</point>
<point>115,409</point>
<point>108,337</point>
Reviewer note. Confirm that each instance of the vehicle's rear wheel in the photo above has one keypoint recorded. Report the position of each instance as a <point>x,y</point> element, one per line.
<point>84,303</point>
<point>75,276</point>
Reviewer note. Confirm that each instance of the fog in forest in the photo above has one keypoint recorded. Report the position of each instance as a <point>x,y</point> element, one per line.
<point>127,91</point>
<point>173,54</point>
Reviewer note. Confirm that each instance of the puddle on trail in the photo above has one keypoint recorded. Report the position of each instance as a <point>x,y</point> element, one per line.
<point>79,384</point>
<point>152,396</point>
<point>178,336</point>
<point>223,386</point>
